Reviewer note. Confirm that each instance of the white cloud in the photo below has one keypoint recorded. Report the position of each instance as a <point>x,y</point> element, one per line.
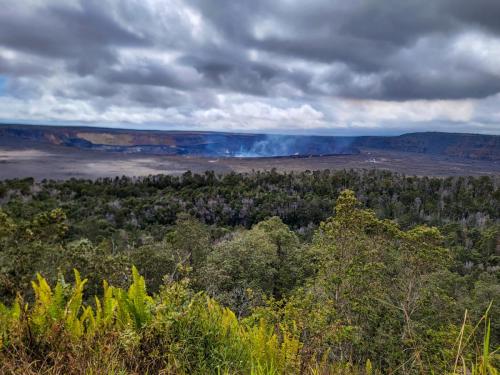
<point>411,111</point>
<point>172,63</point>
<point>477,50</point>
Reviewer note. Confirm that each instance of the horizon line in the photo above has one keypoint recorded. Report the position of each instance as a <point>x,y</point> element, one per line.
<point>172,130</point>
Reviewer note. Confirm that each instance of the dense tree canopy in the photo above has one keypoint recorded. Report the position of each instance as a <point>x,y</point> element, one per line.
<point>379,276</point>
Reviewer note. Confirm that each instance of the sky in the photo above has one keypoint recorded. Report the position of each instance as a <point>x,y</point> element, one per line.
<point>282,66</point>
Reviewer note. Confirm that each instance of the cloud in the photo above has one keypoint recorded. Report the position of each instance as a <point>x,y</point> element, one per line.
<point>84,33</point>
<point>285,65</point>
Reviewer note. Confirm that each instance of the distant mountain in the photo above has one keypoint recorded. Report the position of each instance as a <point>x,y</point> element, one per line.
<point>213,144</point>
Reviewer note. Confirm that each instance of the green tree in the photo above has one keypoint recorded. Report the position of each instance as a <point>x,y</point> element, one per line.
<point>241,270</point>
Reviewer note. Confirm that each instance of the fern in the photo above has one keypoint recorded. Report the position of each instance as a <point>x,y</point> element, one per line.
<point>48,307</point>
<point>74,324</point>
<point>105,311</point>
<point>138,301</point>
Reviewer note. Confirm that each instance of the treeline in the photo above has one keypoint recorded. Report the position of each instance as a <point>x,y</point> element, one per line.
<point>130,211</point>
<point>245,199</point>
<point>343,289</point>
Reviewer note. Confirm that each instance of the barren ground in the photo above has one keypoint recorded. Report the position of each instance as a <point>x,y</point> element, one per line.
<point>54,162</point>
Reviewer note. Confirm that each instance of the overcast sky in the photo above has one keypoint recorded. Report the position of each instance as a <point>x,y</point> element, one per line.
<point>285,66</point>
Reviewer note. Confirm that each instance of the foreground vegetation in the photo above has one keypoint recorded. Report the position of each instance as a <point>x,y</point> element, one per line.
<point>355,291</point>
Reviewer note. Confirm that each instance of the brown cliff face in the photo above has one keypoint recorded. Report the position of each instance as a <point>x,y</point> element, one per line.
<point>471,146</point>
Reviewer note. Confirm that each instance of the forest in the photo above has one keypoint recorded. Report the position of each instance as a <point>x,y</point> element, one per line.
<point>317,272</point>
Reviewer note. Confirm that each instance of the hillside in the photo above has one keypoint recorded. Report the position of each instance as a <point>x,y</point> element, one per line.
<point>212,144</point>
<point>345,273</point>
<point>471,146</point>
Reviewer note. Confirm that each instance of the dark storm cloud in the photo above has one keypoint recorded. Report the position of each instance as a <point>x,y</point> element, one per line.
<point>361,33</point>
<point>83,35</point>
<point>390,24</point>
<point>282,58</point>
<point>236,74</point>
<point>23,68</point>
<point>474,85</point>
<point>480,13</point>
<point>366,36</point>
<point>150,73</point>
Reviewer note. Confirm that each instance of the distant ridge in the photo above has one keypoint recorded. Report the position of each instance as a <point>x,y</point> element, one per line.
<point>470,146</point>
<point>221,144</point>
